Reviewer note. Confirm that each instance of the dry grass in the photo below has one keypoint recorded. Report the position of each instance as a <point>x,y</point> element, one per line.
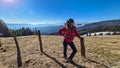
<point>101,52</point>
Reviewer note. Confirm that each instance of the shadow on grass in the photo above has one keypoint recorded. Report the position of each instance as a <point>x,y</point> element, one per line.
<point>19,59</point>
<point>93,61</point>
<point>62,65</point>
<point>77,65</point>
<point>54,60</point>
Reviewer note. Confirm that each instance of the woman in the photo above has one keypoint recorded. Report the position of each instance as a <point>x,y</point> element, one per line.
<point>68,32</point>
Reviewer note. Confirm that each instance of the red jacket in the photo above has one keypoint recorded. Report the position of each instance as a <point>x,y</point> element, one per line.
<point>68,33</point>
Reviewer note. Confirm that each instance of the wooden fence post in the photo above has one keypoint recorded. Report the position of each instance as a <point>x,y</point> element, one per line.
<point>82,47</point>
<point>40,41</point>
<point>19,60</point>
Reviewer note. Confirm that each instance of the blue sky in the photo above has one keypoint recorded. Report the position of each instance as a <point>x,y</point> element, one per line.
<point>58,11</point>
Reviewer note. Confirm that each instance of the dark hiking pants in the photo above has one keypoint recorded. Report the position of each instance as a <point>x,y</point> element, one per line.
<point>74,50</point>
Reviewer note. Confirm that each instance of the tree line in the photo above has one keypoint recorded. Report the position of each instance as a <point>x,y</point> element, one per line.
<point>24,31</point>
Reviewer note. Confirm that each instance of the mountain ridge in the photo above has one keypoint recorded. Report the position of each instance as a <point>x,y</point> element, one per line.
<point>49,29</point>
<point>101,23</point>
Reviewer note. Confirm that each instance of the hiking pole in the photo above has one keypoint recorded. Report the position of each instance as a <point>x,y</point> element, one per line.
<point>82,47</point>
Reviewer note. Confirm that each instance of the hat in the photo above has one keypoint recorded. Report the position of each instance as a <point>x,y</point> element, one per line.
<point>70,20</point>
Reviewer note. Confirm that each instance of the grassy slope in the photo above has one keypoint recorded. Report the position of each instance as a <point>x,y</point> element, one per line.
<point>101,52</point>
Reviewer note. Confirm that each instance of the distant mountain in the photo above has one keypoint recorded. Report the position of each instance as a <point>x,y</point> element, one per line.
<point>52,28</point>
<point>48,29</point>
<point>102,23</point>
<point>45,29</point>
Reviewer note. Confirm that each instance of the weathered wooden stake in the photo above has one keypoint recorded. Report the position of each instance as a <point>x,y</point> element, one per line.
<point>19,60</point>
<point>40,41</point>
<point>82,47</point>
